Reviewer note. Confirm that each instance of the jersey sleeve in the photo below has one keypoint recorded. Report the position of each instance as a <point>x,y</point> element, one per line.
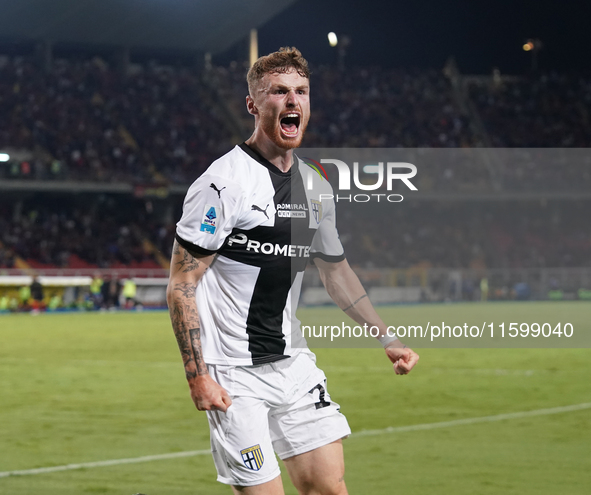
<point>326,244</point>
<point>210,212</point>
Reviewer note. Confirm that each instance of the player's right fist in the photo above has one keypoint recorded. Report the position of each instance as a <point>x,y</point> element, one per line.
<point>209,395</point>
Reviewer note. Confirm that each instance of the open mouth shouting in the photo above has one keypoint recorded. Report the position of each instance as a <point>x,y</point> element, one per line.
<point>290,124</point>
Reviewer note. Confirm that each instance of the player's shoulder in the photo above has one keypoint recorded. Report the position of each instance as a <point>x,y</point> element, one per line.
<point>227,171</point>
<point>232,165</point>
<point>237,167</point>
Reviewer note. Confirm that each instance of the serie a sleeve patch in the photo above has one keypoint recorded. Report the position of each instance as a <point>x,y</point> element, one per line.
<point>211,214</point>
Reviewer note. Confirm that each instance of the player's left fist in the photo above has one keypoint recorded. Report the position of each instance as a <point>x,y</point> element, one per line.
<point>404,359</point>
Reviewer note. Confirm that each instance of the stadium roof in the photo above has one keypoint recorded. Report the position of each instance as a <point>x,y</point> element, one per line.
<point>201,25</point>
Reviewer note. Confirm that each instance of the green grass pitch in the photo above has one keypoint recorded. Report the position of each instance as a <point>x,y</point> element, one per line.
<point>91,387</point>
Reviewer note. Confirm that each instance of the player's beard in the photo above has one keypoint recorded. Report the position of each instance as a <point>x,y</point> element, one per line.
<point>273,131</point>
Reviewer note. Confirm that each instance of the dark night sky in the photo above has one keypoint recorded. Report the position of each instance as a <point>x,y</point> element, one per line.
<point>424,33</point>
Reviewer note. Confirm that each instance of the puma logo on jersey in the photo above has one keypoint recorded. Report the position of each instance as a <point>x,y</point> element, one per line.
<point>215,188</point>
<point>258,208</point>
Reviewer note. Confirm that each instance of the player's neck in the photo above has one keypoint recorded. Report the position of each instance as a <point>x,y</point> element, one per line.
<point>279,157</point>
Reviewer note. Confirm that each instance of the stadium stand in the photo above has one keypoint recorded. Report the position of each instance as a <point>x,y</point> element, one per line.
<point>84,121</point>
<point>51,232</point>
<point>370,107</point>
<point>160,126</point>
<point>487,234</point>
<point>373,107</point>
<point>89,232</point>
<point>544,111</point>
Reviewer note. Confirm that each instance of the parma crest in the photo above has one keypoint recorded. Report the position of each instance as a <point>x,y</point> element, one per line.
<point>253,457</point>
<point>316,210</point>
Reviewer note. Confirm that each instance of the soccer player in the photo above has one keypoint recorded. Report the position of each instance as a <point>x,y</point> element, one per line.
<point>248,229</point>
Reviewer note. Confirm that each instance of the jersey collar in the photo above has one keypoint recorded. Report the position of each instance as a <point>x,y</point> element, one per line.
<point>255,155</point>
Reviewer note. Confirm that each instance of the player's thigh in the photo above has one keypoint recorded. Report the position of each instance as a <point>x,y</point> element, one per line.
<point>241,444</point>
<point>320,471</point>
<point>311,419</point>
<point>273,487</point>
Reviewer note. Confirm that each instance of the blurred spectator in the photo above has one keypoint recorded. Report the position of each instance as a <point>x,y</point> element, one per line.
<point>129,293</point>
<point>36,294</point>
<point>96,286</point>
<point>113,289</point>
<point>55,302</point>
<point>484,289</point>
<point>24,297</point>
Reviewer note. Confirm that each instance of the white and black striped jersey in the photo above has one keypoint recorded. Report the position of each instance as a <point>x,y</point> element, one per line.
<point>264,225</point>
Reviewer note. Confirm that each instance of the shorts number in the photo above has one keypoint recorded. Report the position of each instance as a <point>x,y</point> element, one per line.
<point>321,392</point>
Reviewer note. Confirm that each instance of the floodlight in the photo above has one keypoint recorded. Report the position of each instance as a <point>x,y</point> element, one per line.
<point>332,39</point>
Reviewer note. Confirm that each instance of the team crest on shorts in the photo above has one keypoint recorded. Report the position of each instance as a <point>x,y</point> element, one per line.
<point>208,222</point>
<point>317,210</point>
<point>253,457</point>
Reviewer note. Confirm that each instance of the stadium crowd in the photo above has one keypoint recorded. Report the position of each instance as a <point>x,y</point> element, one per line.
<point>113,233</point>
<point>84,121</point>
<point>547,111</point>
<point>385,109</point>
<point>370,107</point>
<point>104,232</point>
<point>373,107</point>
<point>483,234</point>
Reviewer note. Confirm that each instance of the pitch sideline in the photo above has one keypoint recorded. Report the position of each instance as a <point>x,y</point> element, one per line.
<point>362,433</point>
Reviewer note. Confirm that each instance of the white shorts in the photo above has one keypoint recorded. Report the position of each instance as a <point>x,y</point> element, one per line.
<point>280,407</point>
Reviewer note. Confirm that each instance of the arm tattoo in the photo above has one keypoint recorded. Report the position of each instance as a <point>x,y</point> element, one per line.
<point>182,338</point>
<point>187,289</point>
<point>198,353</point>
<point>188,263</point>
<point>355,302</point>
<point>186,327</point>
<point>184,315</point>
